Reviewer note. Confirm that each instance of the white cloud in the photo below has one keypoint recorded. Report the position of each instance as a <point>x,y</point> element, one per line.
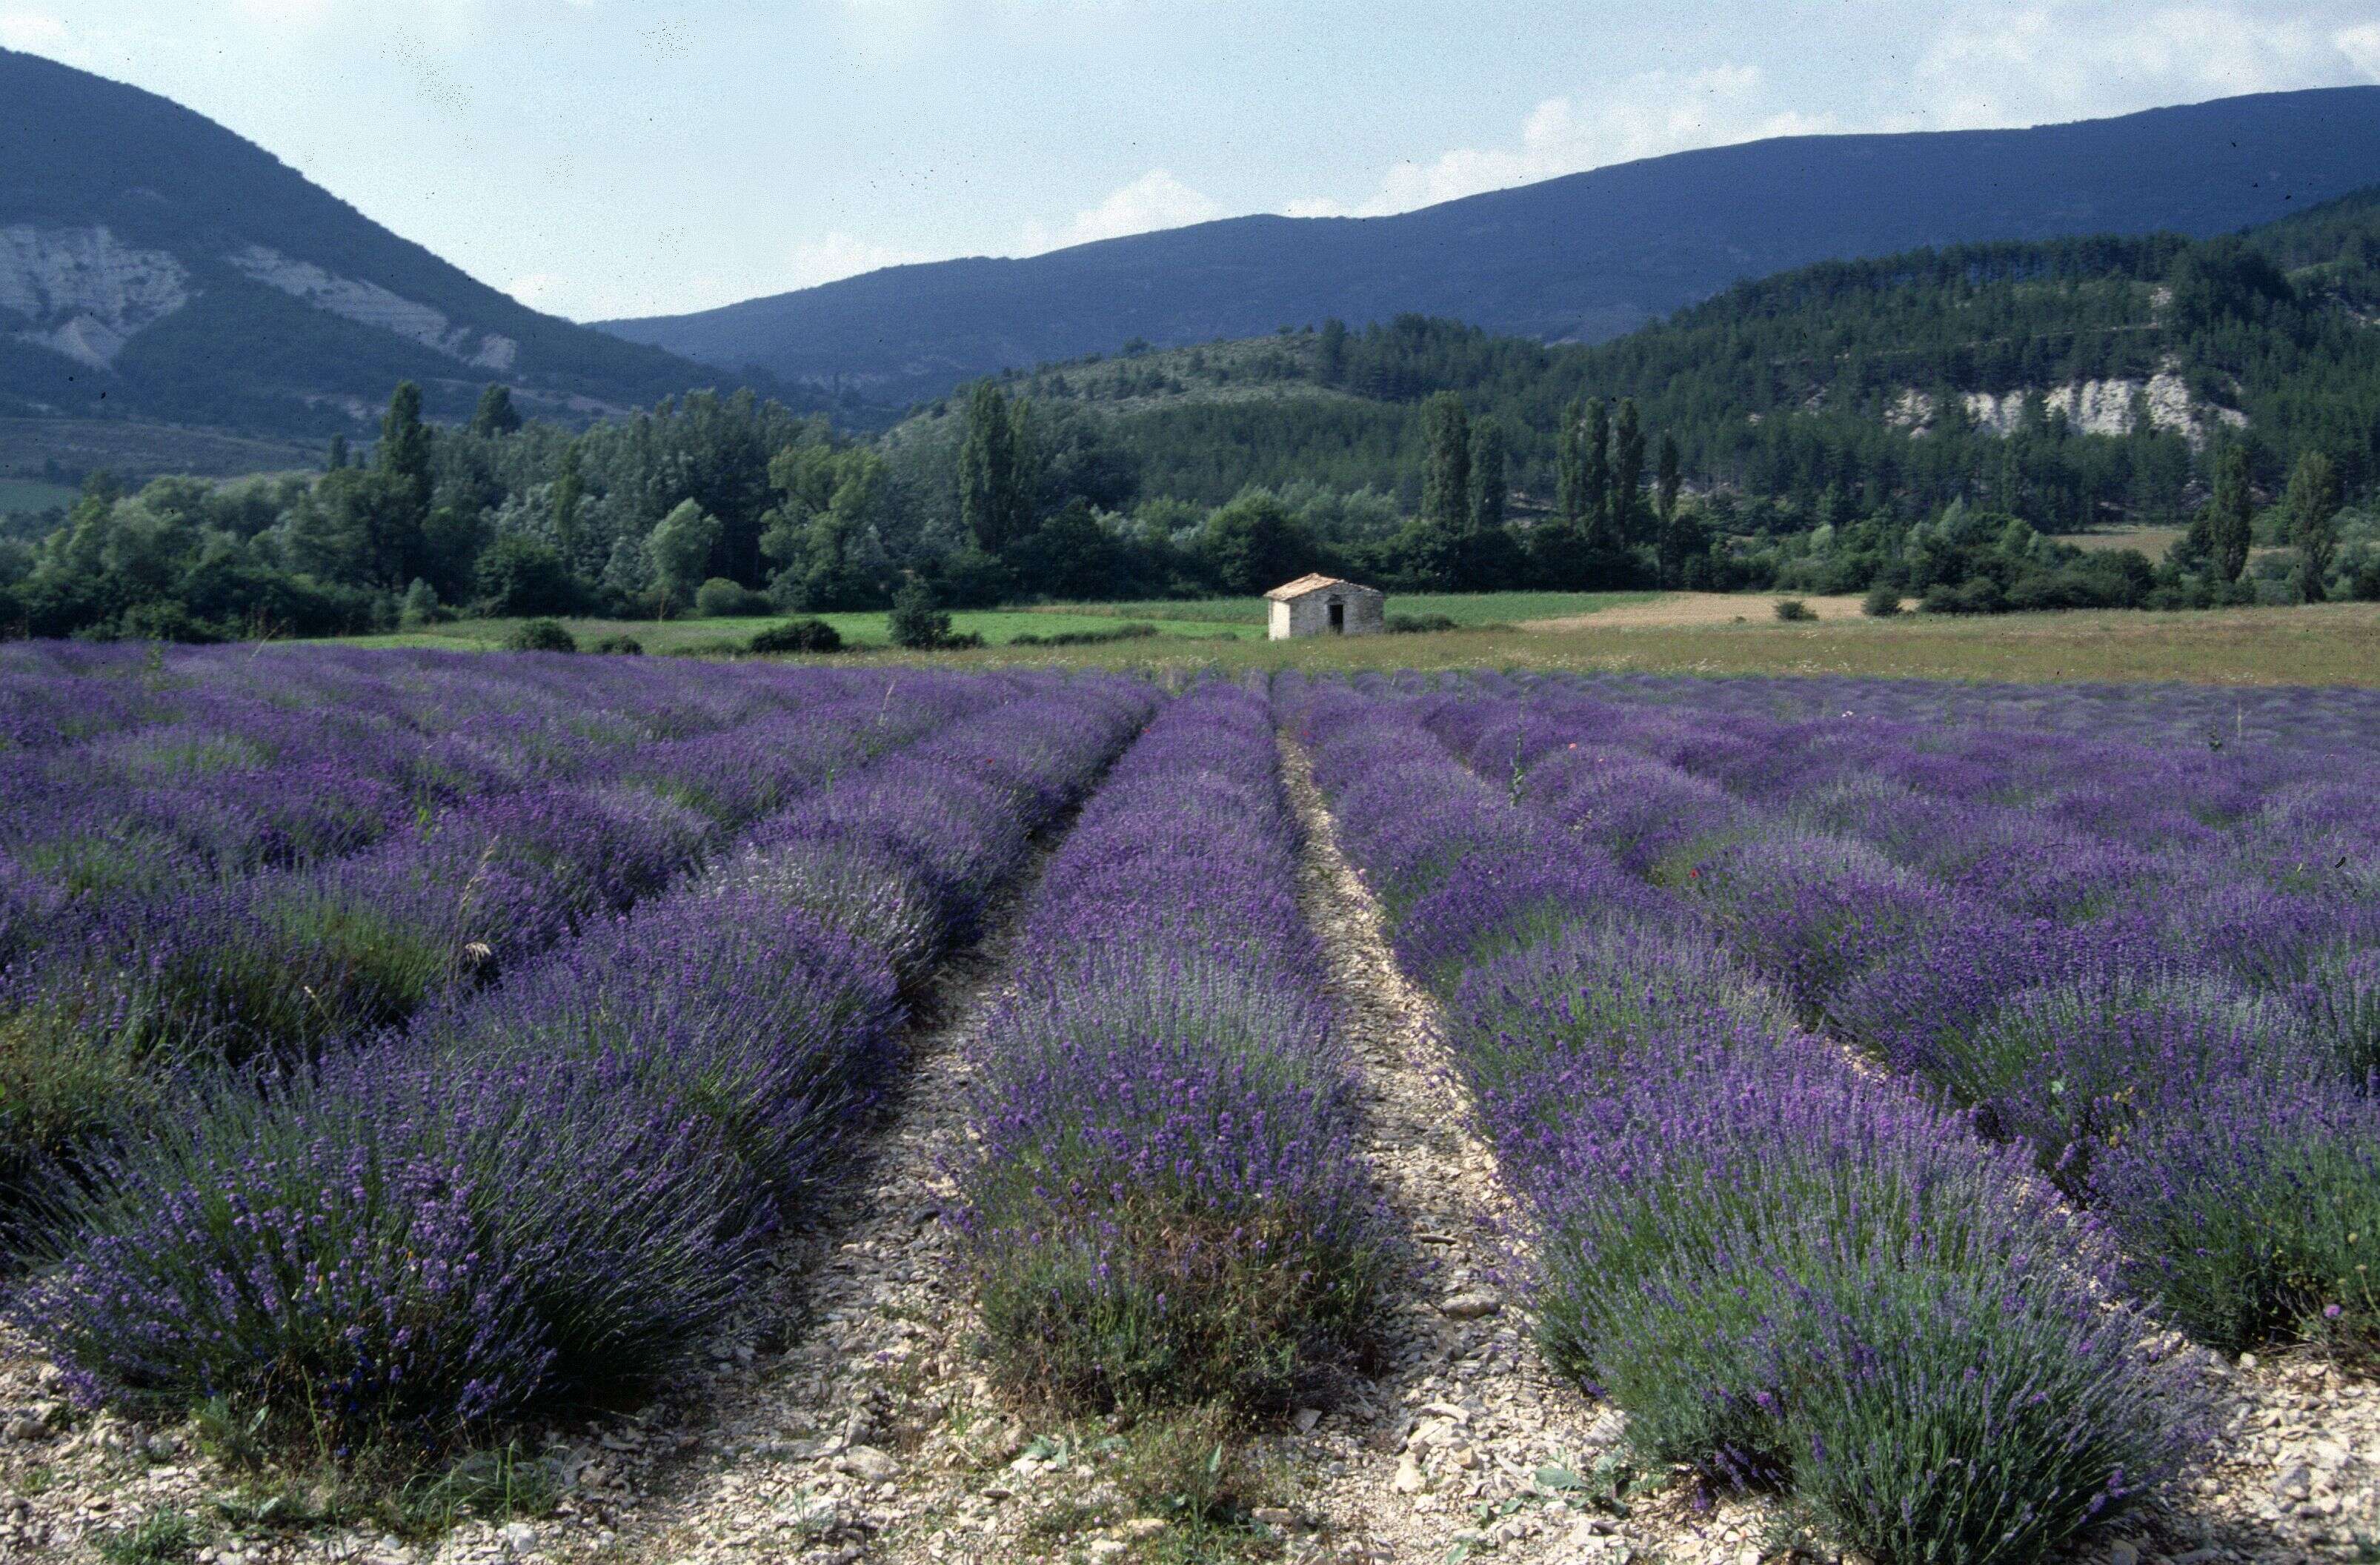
<point>1654,111</point>
<point>1156,200</point>
<point>32,30</point>
<point>2072,59</point>
<point>837,255</point>
<point>2361,47</point>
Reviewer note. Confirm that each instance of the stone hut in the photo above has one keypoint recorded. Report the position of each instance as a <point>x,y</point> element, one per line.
<point>1323,605</point>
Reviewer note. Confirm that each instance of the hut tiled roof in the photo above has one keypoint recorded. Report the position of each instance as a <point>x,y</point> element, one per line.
<point>1306,583</point>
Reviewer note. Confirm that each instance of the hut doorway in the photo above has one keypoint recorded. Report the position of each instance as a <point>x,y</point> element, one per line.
<point>1338,618</point>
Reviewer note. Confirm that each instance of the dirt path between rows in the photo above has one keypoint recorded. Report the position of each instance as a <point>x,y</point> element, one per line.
<point>1465,1412</point>
<point>864,1436</point>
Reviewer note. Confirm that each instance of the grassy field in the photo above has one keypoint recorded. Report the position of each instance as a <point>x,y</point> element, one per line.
<point>137,452</point>
<point>997,626</point>
<point>27,495</point>
<point>2327,644</point>
<point>1206,619</point>
<point>1463,608</point>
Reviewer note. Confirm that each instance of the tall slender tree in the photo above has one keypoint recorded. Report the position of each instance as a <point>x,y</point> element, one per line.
<point>996,482</point>
<point>1570,464</point>
<point>2231,515</point>
<point>2313,500</point>
<point>1627,473</point>
<point>1594,476</point>
<point>1488,486</point>
<point>1446,479</point>
<point>495,415</point>
<point>569,491</point>
<point>1668,544</point>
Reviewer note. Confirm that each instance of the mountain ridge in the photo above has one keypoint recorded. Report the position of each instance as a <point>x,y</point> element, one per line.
<point>1582,257</point>
<point>157,264</point>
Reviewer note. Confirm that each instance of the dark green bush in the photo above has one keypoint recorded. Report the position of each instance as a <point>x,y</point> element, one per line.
<point>797,635</point>
<point>1417,625</point>
<point>1794,609</point>
<point>540,635</point>
<point>1131,630</point>
<point>621,646</point>
<point>1881,603</point>
<point>720,598</point>
<point>917,620</point>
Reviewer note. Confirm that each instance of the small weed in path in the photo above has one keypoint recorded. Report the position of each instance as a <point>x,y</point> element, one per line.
<point>160,1538</point>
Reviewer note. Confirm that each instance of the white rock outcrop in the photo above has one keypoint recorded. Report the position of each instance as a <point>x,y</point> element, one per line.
<point>2093,407</point>
<point>369,304</point>
<point>83,292</point>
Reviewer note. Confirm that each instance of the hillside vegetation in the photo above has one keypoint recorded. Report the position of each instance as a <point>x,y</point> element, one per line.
<point>156,267</point>
<point>1928,428</point>
<point>1581,258</point>
<point>1972,372</point>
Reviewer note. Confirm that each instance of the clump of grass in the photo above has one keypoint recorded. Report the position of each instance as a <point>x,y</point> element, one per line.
<point>1192,1468</point>
<point>494,1483</point>
<point>163,1537</point>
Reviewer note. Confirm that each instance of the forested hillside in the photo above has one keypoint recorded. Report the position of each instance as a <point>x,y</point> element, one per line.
<point>2073,382</point>
<point>1923,424</point>
<point>155,266</point>
<point>1583,258</point>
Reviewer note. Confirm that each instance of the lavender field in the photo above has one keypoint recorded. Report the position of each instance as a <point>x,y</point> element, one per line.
<point>1911,1121</point>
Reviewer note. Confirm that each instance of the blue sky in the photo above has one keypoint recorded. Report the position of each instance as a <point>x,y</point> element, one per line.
<point>615,157</point>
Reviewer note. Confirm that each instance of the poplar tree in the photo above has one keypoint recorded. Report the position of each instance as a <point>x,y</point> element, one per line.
<point>1668,548</point>
<point>569,490</point>
<point>995,485</point>
<point>1488,484</point>
<point>1627,472</point>
<point>495,415</point>
<point>403,452</point>
<point>1570,464</point>
<point>2314,501</point>
<point>2231,518</point>
<point>1446,479</point>
<point>1595,476</point>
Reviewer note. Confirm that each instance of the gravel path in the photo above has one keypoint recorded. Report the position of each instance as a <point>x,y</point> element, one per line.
<point>1465,1413</point>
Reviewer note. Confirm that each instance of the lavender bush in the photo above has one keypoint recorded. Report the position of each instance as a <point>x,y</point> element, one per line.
<point>1789,1273</point>
<point>2085,941</point>
<point>1163,1205</point>
<point>552,1188</point>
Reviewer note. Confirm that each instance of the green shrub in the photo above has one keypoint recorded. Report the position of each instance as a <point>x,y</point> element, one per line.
<point>1881,603</point>
<point>1191,1468</point>
<point>621,646</point>
<point>720,598</point>
<point>1417,624</point>
<point>919,621</point>
<point>1131,630</point>
<point>161,1538</point>
<point>540,635</point>
<point>797,635</point>
<point>1795,610</point>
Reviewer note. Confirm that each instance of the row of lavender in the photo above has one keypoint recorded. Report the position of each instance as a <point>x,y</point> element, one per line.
<point>225,765</point>
<point>1164,1206</point>
<point>554,1188</point>
<point>2208,718</point>
<point>2178,1011</point>
<point>133,992</point>
<point>1788,1272</point>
